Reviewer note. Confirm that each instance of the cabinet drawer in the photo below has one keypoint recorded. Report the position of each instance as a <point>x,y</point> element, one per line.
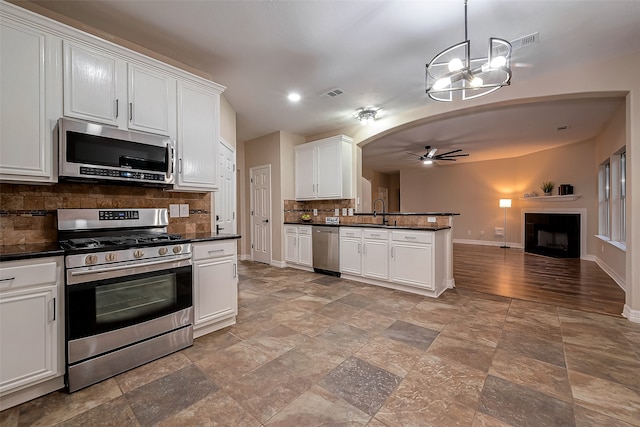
<point>304,229</point>
<point>351,232</point>
<point>291,229</point>
<point>375,234</point>
<point>21,274</point>
<point>412,236</point>
<point>213,249</point>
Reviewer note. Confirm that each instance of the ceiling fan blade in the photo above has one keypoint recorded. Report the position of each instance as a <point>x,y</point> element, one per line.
<point>413,154</point>
<point>432,152</point>
<point>449,152</point>
<point>444,158</point>
<point>453,155</point>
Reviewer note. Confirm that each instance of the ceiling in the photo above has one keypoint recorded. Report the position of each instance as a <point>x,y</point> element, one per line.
<point>375,51</point>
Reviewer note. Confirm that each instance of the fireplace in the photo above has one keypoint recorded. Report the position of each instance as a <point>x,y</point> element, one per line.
<point>552,234</point>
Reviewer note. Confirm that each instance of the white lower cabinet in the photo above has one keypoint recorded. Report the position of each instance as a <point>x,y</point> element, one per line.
<point>31,329</point>
<point>215,286</point>
<point>297,248</point>
<point>351,250</point>
<point>410,260</point>
<point>375,254</point>
<point>412,264</point>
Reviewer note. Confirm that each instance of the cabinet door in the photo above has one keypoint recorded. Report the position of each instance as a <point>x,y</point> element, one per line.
<point>304,250</point>
<point>94,85</point>
<point>28,332</point>
<point>305,172</point>
<point>152,101</point>
<point>350,255</point>
<point>198,136</point>
<point>412,264</point>
<point>29,90</point>
<point>375,261</point>
<point>291,247</point>
<point>215,289</point>
<point>329,166</point>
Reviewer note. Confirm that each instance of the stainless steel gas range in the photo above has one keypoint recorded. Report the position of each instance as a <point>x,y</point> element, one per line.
<point>129,297</point>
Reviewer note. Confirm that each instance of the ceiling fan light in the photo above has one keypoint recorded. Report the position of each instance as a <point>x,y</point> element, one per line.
<point>427,161</point>
<point>455,65</point>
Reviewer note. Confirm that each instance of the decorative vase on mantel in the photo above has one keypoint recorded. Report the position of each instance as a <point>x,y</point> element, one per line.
<point>547,187</point>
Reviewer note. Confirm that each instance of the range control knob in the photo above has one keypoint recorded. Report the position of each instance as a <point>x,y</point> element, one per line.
<point>91,259</point>
<point>138,253</point>
<point>110,257</point>
<point>177,249</point>
<point>163,251</point>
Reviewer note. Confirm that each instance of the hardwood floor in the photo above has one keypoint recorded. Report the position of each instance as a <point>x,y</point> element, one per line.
<point>512,273</point>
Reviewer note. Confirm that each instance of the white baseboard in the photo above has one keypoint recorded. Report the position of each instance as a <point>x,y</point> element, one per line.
<point>621,281</point>
<point>487,243</point>
<point>245,257</point>
<point>632,315</point>
<point>279,264</point>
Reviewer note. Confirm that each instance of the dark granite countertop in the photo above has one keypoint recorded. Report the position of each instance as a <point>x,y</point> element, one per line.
<point>208,237</point>
<point>390,227</point>
<point>39,250</point>
<point>407,213</point>
<point>28,251</point>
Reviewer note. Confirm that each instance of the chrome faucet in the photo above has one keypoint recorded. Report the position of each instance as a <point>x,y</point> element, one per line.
<point>385,221</point>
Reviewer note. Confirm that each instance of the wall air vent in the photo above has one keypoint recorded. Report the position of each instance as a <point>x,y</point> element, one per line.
<point>333,92</point>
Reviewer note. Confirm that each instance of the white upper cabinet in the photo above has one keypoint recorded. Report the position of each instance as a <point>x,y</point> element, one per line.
<point>305,172</point>
<point>98,88</point>
<point>95,86</point>
<point>30,102</point>
<point>198,136</point>
<point>152,101</point>
<point>323,169</point>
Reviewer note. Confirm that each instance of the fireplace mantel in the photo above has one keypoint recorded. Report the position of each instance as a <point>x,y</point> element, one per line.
<point>566,198</point>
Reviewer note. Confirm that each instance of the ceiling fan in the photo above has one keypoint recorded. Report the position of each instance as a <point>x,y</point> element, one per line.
<point>430,156</point>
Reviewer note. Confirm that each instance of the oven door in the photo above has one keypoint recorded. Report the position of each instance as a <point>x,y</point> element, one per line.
<point>111,312</point>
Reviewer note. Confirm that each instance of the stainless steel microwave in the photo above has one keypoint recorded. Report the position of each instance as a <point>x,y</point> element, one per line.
<point>94,152</point>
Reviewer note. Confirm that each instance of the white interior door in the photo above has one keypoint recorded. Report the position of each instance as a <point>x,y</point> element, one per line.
<point>261,213</point>
<point>225,198</point>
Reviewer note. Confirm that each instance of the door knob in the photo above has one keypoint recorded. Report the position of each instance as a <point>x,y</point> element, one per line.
<point>265,220</point>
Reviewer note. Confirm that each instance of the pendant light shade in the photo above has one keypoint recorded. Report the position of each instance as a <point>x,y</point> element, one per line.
<point>454,70</point>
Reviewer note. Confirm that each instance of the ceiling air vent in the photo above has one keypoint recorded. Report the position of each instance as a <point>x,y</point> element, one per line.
<point>519,43</point>
<point>525,41</point>
<point>334,92</point>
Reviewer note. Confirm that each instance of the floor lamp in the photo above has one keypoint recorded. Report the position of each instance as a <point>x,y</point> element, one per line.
<point>505,203</point>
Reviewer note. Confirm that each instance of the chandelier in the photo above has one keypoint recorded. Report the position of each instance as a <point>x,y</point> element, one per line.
<point>453,70</point>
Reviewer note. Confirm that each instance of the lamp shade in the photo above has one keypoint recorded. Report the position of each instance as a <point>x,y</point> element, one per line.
<point>505,203</point>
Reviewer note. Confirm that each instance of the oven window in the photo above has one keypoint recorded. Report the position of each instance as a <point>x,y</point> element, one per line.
<point>107,305</point>
<point>120,302</point>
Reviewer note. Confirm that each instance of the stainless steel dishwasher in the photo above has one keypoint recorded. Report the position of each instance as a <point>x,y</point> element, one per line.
<point>326,250</point>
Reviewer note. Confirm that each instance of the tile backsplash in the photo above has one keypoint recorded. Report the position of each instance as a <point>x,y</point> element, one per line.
<point>28,212</point>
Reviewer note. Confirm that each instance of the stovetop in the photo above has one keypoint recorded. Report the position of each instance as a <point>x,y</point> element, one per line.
<point>114,242</point>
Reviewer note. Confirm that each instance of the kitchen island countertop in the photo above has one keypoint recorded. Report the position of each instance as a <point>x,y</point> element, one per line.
<point>389,227</point>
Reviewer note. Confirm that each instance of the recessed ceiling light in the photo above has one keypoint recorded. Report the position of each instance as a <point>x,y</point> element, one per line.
<point>294,97</point>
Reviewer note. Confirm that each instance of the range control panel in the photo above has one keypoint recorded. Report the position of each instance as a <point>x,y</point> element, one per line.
<point>118,215</point>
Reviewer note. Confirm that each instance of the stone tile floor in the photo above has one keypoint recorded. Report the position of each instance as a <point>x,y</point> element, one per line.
<point>312,350</point>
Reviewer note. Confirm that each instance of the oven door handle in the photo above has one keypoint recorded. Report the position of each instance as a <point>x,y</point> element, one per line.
<point>128,266</point>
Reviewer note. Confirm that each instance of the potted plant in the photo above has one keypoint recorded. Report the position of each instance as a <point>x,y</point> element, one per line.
<point>547,187</point>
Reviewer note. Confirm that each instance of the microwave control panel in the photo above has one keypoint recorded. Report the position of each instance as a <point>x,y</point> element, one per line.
<point>98,172</point>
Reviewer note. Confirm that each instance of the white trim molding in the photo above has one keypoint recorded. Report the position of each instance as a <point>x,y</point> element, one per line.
<point>632,315</point>
<point>615,276</point>
<point>513,245</point>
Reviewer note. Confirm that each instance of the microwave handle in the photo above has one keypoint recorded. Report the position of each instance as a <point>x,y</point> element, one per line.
<point>170,156</point>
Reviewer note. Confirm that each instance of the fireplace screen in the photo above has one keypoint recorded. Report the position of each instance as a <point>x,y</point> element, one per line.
<point>551,234</point>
